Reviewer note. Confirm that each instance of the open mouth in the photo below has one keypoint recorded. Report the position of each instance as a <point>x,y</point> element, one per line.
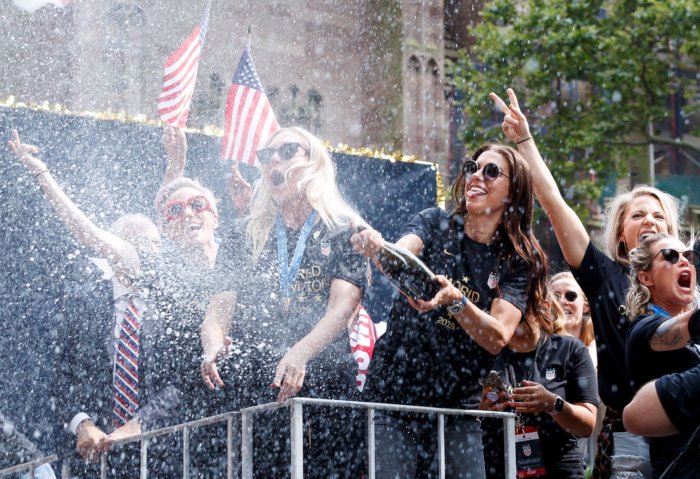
<point>276,178</point>
<point>645,234</point>
<point>475,191</point>
<point>684,280</point>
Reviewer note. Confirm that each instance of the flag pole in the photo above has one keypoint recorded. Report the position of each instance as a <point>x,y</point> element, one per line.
<point>250,34</point>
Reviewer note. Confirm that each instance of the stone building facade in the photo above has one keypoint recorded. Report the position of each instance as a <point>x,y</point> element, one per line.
<point>362,73</point>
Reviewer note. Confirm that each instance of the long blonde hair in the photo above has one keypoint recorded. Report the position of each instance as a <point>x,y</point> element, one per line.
<point>318,183</point>
<point>587,335</point>
<point>616,215</point>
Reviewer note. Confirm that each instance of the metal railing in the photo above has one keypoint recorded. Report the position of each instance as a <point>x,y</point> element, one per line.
<point>296,406</point>
<point>29,466</point>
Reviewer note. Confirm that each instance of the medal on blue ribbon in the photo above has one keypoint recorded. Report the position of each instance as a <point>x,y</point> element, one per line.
<point>288,271</point>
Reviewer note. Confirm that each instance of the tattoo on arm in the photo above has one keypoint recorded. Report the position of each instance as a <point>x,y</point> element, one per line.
<point>668,335</point>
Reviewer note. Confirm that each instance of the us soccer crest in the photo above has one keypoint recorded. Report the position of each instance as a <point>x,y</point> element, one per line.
<point>326,248</point>
<point>494,278</point>
<point>550,374</point>
<point>527,449</point>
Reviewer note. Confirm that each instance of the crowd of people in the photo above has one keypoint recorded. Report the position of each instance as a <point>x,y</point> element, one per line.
<point>184,325</point>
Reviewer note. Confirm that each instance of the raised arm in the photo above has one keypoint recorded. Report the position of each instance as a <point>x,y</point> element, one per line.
<point>342,302</point>
<point>568,228</point>
<point>120,253</point>
<point>175,145</point>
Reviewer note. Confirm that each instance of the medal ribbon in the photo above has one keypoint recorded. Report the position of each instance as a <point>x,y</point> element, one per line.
<point>288,271</point>
<point>659,310</point>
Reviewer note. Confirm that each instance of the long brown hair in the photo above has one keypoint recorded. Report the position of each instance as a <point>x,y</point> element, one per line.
<point>516,223</point>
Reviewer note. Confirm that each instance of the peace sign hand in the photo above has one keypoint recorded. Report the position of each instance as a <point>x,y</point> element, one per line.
<point>515,125</point>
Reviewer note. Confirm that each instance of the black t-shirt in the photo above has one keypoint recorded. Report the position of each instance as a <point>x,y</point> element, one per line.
<point>428,359</point>
<point>264,327</point>
<point>605,284</point>
<point>178,290</point>
<point>679,394</point>
<point>644,365</point>
<point>563,365</point>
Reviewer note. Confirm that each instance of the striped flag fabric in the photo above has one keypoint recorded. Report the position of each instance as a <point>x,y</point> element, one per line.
<point>249,119</point>
<point>180,76</point>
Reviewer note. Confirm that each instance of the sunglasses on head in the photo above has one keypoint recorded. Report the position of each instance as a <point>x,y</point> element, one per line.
<point>491,171</point>
<point>286,152</point>
<point>174,210</point>
<point>672,256</point>
<point>570,296</point>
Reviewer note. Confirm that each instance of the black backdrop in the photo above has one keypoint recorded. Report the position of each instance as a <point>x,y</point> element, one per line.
<point>110,168</point>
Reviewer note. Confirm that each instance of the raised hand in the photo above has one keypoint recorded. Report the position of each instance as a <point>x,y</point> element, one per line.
<point>514,125</point>
<point>26,154</point>
<point>239,189</point>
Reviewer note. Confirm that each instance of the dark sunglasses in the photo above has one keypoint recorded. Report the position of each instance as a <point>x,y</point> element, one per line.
<point>286,152</point>
<point>174,210</point>
<point>491,170</point>
<point>672,256</point>
<point>570,296</point>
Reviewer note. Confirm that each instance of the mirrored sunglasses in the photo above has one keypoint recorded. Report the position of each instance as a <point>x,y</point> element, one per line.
<point>491,171</point>
<point>286,152</point>
<point>175,209</point>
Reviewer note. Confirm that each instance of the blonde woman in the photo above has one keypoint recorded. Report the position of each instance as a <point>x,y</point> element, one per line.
<point>295,281</point>
<point>663,294</point>
<point>577,312</point>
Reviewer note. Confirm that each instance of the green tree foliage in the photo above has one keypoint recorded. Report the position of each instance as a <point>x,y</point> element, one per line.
<point>629,56</point>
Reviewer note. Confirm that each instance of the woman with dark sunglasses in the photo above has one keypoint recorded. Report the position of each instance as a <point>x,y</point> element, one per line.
<point>567,292</point>
<point>491,271</point>
<point>602,275</point>
<point>290,283</point>
<point>663,292</point>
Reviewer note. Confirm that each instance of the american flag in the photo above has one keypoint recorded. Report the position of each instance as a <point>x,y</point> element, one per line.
<point>180,76</point>
<point>249,119</point>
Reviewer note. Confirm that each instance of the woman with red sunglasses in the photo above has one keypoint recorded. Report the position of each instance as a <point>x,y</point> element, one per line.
<point>291,283</point>
<point>602,276</point>
<point>491,271</point>
<point>663,293</point>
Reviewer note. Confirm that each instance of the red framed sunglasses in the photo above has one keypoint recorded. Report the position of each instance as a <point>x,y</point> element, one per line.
<point>175,209</point>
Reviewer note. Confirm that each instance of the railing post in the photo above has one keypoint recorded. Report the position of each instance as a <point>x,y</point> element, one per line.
<point>247,444</point>
<point>144,459</point>
<point>229,448</point>
<point>185,452</point>
<point>103,465</point>
<point>441,444</point>
<point>371,445</point>
<point>509,446</point>
<point>297,433</point>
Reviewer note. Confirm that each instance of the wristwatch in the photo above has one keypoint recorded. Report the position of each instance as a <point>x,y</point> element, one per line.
<point>558,406</point>
<point>458,305</point>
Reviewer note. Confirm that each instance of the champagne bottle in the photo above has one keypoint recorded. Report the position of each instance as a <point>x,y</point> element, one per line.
<point>407,272</point>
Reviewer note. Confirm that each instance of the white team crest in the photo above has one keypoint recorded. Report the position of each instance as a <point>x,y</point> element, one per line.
<point>494,278</point>
<point>325,248</point>
<point>550,374</point>
<point>527,450</point>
